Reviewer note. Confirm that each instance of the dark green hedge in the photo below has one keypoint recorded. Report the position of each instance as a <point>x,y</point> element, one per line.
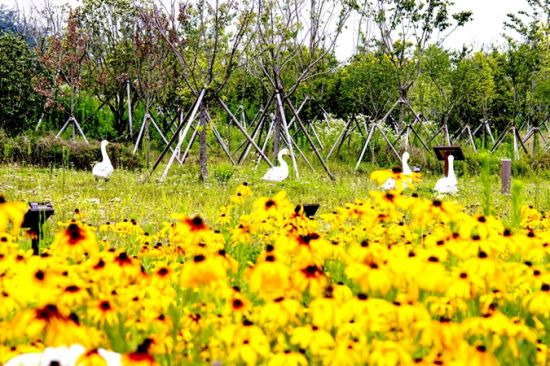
<point>49,151</point>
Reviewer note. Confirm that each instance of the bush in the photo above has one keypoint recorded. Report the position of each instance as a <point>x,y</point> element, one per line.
<point>223,172</point>
<point>49,151</point>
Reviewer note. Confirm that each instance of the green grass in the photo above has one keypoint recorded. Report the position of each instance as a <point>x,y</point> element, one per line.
<point>128,195</point>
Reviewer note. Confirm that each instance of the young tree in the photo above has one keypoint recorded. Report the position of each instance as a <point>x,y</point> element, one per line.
<point>293,40</point>
<point>110,26</point>
<point>474,88</point>
<point>150,61</point>
<point>63,58</point>
<point>406,28</point>
<point>207,37</point>
<point>364,86</point>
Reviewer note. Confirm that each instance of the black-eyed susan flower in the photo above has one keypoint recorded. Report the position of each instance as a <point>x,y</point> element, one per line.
<point>103,311</point>
<point>11,213</point>
<point>75,241</point>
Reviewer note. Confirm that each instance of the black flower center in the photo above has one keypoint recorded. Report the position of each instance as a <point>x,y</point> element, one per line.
<point>39,275</point>
<point>199,258</point>
<point>74,233</point>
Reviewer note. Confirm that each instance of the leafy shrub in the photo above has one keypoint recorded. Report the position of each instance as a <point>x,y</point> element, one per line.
<point>223,172</point>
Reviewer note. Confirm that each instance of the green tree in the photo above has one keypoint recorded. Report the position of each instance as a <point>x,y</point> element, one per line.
<point>19,103</point>
<point>364,86</point>
<point>526,62</point>
<point>208,39</point>
<point>474,87</point>
<point>433,91</point>
<point>109,25</point>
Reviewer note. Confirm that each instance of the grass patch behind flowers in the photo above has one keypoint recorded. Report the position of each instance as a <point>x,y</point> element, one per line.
<point>183,273</point>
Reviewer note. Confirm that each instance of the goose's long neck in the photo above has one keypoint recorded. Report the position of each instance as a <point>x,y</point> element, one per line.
<point>281,161</point>
<point>406,168</point>
<point>451,173</point>
<point>104,154</point>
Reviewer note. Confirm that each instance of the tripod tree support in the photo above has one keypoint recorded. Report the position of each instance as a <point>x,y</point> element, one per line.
<point>484,126</point>
<point>281,110</point>
<point>75,125</point>
<point>532,133</point>
<point>441,130</point>
<point>517,138</point>
<point>256,129</point>
<point>190,113</point>
<point>367,141</point>
<point>243,130</point>
<point>471,140</point>
<point>308,138</point>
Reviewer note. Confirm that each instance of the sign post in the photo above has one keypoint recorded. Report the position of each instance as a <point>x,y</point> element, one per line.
<point>506,175</point>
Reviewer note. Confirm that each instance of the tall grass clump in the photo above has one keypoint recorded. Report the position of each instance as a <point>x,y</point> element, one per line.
<point>517,201</point>
<point>486,194</point>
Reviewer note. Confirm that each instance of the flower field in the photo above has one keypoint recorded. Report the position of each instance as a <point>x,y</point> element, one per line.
<point>388,279</point>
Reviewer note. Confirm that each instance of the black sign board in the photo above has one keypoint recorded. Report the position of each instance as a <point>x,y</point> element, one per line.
<point>34,218</point>
<point>309,209</point>
<point>442,152</point>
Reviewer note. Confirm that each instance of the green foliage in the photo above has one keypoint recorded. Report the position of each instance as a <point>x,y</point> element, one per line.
<point>517,202</point>
<point>364,86</point>
<point>19,104</point>
<point>223,172</point>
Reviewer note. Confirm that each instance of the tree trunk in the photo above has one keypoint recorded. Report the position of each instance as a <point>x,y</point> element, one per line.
<point>403,96</point>
<point>147,143</point>
<point>202,137</point>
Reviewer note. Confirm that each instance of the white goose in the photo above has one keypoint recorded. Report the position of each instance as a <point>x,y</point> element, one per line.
<point>406,170</point>
<point>278,173</point>
<point>448,184</point>
<point>104,169</point>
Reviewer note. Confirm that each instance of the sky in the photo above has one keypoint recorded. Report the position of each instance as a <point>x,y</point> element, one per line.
<point>485,28</point>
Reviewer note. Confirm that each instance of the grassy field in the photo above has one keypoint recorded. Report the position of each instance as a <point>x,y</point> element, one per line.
<point>129,195</point>
<point>377,278</point>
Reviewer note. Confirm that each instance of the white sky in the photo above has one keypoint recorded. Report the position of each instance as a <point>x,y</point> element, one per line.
<point>485,28</point>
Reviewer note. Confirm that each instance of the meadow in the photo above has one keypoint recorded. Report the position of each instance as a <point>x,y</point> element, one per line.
<point>132,195</point>
<point>228,272</point>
